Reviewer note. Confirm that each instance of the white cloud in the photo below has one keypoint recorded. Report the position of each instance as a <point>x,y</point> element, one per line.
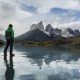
<point>64,4</point>
<point>11,12</point>
<point>46,5</point>
<point>73,25</point>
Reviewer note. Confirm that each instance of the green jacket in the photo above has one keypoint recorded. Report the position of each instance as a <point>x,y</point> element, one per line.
<point>12,32</point>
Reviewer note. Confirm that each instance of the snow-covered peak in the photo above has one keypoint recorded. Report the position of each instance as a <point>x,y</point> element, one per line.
<point>67,32</point>
<point>70,31</point>
<point>64,32</point>
<point>52,30</point>
<point>57,31</point>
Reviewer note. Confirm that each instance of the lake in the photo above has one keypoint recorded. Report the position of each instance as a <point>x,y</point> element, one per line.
<point>41,63</point>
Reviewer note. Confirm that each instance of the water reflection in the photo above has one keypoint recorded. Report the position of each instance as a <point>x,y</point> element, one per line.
<point>9,73</point>
<point>37,54</point>
<point>50,63</point>
<point>27,77</point>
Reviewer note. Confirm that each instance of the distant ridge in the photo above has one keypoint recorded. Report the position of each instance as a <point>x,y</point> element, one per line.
<point>39,34</point>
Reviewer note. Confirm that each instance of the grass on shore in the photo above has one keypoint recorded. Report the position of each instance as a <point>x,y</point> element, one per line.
<point>71,41</point>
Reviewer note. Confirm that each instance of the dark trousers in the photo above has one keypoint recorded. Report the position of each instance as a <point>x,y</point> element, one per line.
<point>8,43</point>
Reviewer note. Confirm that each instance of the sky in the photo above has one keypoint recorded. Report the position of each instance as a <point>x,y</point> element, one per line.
<point>23,13</point>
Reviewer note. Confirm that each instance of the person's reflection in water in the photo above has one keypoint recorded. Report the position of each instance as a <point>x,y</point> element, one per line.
<point>9,73</point>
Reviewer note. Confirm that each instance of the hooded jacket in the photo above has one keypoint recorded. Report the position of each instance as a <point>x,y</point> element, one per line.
<point>12,32</point>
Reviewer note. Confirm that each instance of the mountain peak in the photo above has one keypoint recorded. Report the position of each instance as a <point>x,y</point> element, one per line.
<point>33,26</point>
<point>40,22</point>
<point>49,28</point>
<point>37,26</point>
<point>40,26</point>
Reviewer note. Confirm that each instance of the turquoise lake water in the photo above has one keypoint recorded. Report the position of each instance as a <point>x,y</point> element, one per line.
<point>41,63</point>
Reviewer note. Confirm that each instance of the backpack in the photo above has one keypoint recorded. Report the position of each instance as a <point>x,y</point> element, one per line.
<point>8,35</point>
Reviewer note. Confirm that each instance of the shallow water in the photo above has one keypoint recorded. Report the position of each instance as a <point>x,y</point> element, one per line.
<point>41,63</point>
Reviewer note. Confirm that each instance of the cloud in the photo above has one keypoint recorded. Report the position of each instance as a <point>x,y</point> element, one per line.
<point>46,5</point>
<point>73,25</point>
<point>11,13</point>
<point>22,13</point>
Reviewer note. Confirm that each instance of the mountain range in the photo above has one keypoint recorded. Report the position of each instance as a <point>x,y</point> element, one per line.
<point>38,33</point>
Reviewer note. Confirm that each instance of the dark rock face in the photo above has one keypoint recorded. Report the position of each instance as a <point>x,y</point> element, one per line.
<point>49,28</point>
<point>38,33</point>
<point>55,37</point>
<point>52,30</point>
<point>77,32</point>
<point>34,35</point>
<point>57,31</point>
<point>70,31</point>
<point>40,26</point>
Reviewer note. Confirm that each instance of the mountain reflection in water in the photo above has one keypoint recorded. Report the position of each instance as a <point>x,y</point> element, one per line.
<point>55,63</point>
<point>42,63</point>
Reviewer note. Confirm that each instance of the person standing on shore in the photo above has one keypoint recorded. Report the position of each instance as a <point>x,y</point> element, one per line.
<point>9,35</point>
